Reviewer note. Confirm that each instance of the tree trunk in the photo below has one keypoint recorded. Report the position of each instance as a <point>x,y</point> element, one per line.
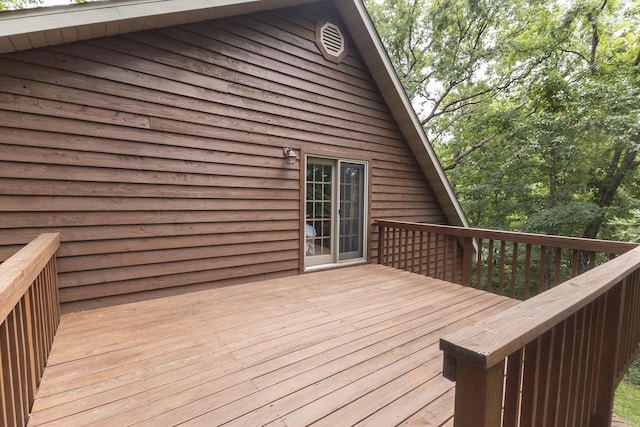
<point>621,164</point>
<point>618,169</point>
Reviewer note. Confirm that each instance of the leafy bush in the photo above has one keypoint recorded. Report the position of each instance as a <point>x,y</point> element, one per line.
<point>633,374</point>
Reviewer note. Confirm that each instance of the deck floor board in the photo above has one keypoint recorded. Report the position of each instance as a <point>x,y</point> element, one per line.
<point>352,346</point>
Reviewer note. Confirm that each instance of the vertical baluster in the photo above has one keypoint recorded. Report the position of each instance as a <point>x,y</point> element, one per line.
<point>36,327</point>
<point>418,251</point>
<point>422,253</point>
<point>30,341</point>
<point>388,245</point>
<point>592,260</point>
<point>543,376</point>
<point>577,367</point>
<point>43,281</point>
<point>513,387</point>
<point>381,241</point>
<point>454,262</point>
<point>556,359</point>
<point>594,325</point>
<point>40,321</point>
<point>479,266</point>
<point>395,247</point>
<point>607,357</point>
<point>437,256</point>
<point>9,402</point>
<point>467,261</point>
<point>634,304</point>
<point>429,254</point>
<point>490,266</point>
<point>54,286</point>
<point>514,269</point>
<point>4,368</point>
<point>530,383</point>
<point>445,256</point>
<point>527,270</point>
<point>566,372</point>
<point>21,359</point>
<point>556,279</point>
<point>16,380</point>
<point>628,345</point>
<point>405,248</point>
<point>583,366</point>
<point>542,269</point>
<point>574,263</point>
<point>413,251</point>
<point>503,246</point>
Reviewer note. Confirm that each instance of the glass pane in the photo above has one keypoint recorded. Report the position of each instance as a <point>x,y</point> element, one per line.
<point>351,211</point>
<point>318,209</point>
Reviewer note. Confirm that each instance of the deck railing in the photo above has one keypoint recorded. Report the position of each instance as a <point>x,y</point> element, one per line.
<point>553,360</point>
<point>29,312</point>
<point>518,265</point>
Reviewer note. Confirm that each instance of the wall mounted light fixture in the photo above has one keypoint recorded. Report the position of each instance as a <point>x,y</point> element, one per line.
<point>290,155</point>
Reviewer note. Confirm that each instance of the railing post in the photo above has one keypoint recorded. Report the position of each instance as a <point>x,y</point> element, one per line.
<point>478,395</point>
<point>608,356</point>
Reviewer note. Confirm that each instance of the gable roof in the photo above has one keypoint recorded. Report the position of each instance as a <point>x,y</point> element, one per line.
<point>33,28</point>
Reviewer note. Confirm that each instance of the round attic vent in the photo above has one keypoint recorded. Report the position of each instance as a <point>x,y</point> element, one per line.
<point>330,41</point>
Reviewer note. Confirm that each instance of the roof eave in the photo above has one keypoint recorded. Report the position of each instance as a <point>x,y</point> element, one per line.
<point>33,28</point>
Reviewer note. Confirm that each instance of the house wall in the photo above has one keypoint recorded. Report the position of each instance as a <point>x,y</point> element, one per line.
<point>158,155</point>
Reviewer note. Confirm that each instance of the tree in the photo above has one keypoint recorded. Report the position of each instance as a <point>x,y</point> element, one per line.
<point>532,107</point>
<point>451,54</point>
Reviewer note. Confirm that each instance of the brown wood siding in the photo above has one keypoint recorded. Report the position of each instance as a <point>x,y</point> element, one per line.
<point>158,155</point>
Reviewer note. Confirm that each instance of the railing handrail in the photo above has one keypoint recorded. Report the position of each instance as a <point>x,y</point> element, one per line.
<point>492,340</point>
<point>577,243</point>
<point>19,271</point>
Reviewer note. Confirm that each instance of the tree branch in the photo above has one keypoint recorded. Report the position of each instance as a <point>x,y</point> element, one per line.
<point>580,55</point>
<point>458,157</point>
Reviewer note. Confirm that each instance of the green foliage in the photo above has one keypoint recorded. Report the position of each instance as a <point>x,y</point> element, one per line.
<point>404,29</point>
<point>628,229</point>
<point>532,107</point>
<point>633,374</point>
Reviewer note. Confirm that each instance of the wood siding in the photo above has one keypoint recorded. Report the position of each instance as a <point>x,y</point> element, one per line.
<point>158,155</point>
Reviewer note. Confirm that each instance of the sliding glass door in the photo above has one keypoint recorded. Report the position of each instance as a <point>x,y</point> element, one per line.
<point>335,211</point>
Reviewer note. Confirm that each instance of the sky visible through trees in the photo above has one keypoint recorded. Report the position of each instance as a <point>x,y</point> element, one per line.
<point>533,107</point>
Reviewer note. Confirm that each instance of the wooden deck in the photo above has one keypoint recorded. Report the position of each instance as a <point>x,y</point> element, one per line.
<point>351,346</point>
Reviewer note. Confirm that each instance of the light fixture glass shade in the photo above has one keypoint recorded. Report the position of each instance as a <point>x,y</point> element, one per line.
<point>290,155</point>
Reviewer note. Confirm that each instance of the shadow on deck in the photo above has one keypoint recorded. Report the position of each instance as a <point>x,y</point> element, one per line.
<point>357,345</point>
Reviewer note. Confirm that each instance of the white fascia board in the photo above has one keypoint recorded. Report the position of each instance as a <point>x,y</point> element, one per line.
<point>58,17</point>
